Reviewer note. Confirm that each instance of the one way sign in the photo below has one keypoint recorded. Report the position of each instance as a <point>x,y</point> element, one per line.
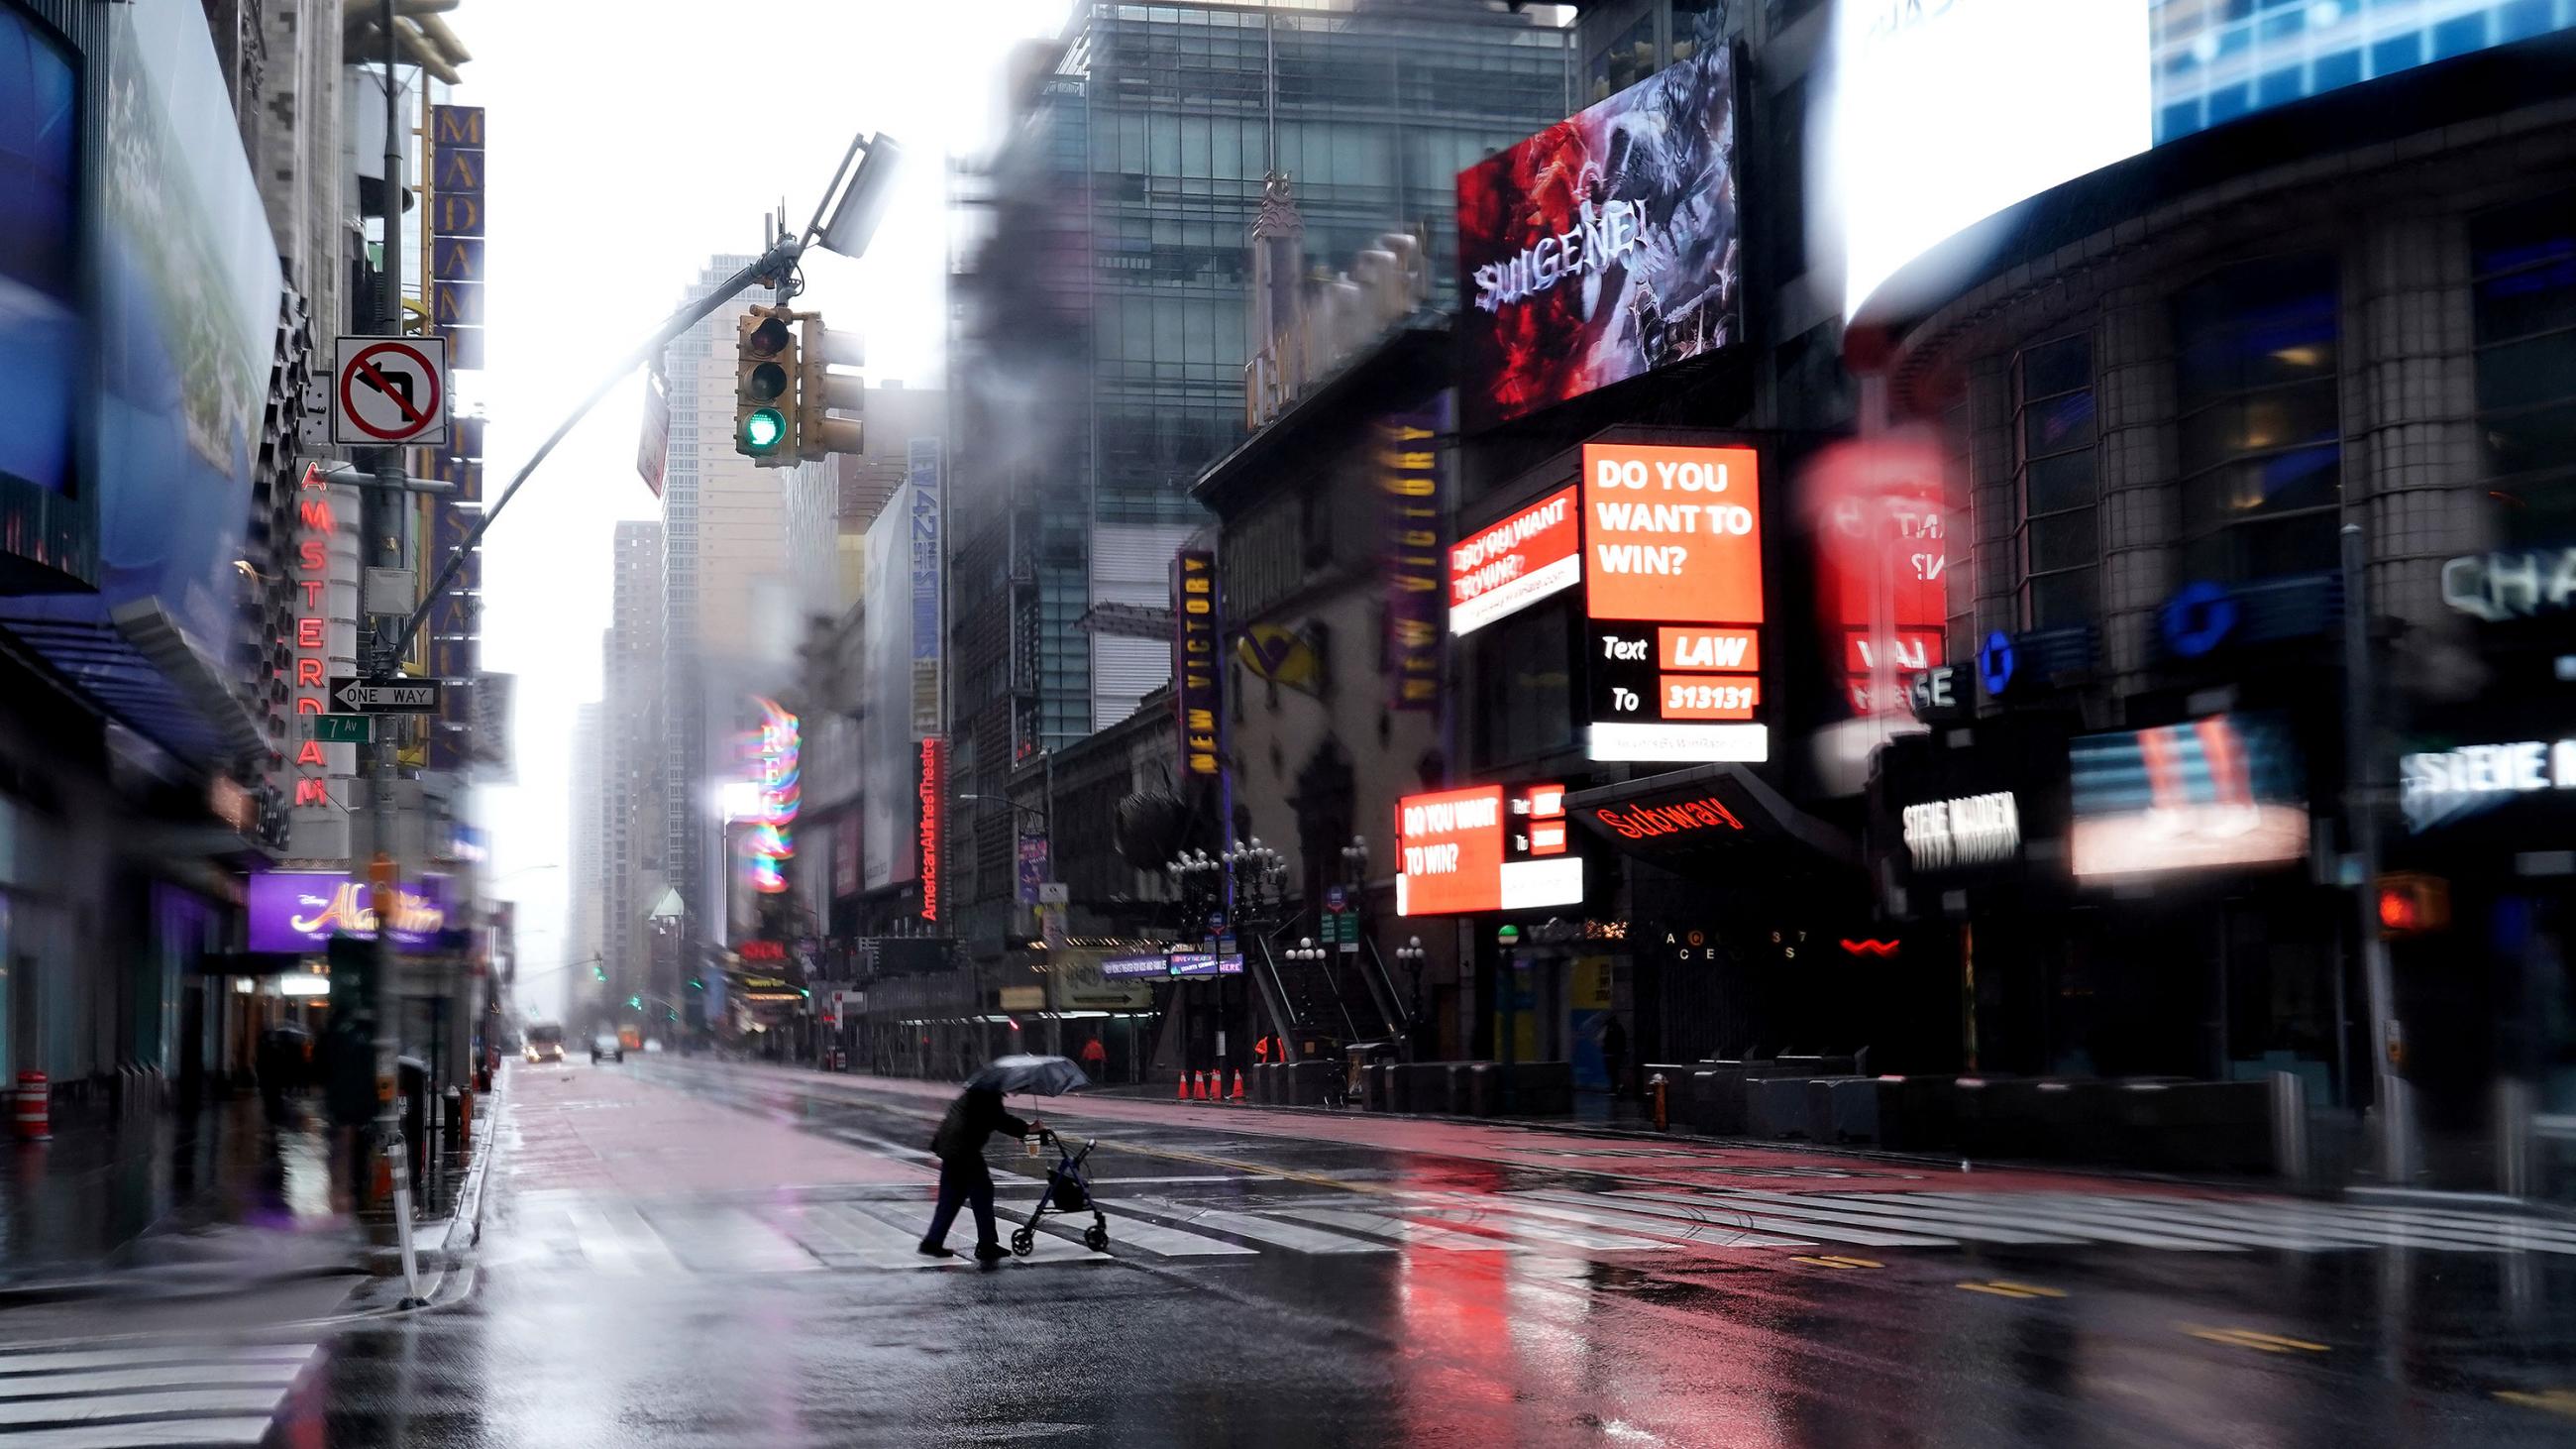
<point>383,696</point>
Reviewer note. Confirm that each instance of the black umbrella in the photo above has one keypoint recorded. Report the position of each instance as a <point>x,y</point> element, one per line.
<point>1043,1076</point>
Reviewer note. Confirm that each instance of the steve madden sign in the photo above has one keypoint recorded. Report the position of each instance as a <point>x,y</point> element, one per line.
<point>2519,584</point>
<point>1972,830</point>
<point>2436,787</point>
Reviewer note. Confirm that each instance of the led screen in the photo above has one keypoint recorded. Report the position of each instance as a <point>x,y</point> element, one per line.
<point>1603,247</point>
<point>39,306</point>
<point>2225,790</point>
<point>1948,113</point>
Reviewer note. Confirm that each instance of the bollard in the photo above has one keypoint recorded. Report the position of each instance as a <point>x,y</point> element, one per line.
<point>1660,1089</point>
<point>465,1119</point>
<point>398,1160</point>
<point>34,1109</point>
<point>452,1118</point>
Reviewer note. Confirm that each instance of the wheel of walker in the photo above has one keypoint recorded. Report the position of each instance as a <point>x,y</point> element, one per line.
<point>1024,1242</point>
<point>1096,1237</point>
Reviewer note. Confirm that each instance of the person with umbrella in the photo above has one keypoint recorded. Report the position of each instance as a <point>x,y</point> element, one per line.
<point>959,1144</point>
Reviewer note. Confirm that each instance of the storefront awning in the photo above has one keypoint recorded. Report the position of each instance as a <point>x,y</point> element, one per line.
<point>1704,811</point>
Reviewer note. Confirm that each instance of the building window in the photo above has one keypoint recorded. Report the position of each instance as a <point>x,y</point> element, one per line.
<point>2261,435</point>
<point>1524,670</point>
<point>1624,61</point>
<point>2053,451</point>
<point>2524,300</point>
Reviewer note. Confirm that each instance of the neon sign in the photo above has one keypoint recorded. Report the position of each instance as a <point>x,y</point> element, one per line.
<point>933,792</point>
<point>771,842</point>
<point>312,628</point>
<point>1637,822</point>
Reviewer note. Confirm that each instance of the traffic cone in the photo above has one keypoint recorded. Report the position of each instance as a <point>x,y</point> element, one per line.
<point>1198,1087</point>
<point>1181,1088</point>
<point>1238,1086</point>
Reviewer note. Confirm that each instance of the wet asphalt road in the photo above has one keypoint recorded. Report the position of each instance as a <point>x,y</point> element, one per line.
<point>679,1254</point>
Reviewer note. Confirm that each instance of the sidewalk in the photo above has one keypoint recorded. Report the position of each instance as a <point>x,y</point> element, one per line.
<point>164,1223</point>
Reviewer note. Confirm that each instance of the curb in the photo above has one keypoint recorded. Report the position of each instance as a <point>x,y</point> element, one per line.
<point>366,1263</point>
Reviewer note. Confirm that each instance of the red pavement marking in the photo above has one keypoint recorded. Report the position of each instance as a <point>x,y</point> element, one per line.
<point>1699,1163</point>
<point>600,1128</point>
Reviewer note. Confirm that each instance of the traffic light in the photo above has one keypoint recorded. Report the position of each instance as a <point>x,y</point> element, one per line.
<point>598,973</point>
<point>2412,904</point>
<point>764,414</point>
<point>822,392</point>
<point>635,1003</point>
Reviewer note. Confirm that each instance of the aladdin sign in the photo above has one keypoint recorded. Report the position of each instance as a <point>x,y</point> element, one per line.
<point>293,913</point>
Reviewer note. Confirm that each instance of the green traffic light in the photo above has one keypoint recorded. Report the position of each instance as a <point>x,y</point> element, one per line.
<point>636,1002</point>
<point>762,430</point>
<point>599,973</point>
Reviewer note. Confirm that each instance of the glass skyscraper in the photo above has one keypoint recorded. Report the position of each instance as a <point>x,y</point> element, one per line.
<point>1102,316</point>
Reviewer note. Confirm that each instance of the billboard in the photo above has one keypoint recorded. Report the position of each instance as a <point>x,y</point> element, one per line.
<point>1672,567</point>
<point>1930,129</point>
<point>2224,790</point>
<point>1484,848</point>
<point>1604,247</point>
<point>41,353</point>
<point>1499,570</point>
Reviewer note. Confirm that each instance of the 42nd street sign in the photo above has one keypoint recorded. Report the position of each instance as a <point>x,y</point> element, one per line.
<point>383,696</point>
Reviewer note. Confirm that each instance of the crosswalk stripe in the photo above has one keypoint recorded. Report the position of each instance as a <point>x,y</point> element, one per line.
<point>153,1435</point>
<point>1135,1232</point>
<point>868,1233</point>
<point>1808,1209</point>
<point>2175,1215</point>
<point>139,1406</point>
<point>2377,1233</point>
<point>1707,1234</point>
<point>1495,1217</point>
<point>159,1376</point>
<point>2517,1230</point>
<point>54,1360</point>
<point>730,1240</point>
<point>620,1241</point>
<point>2083,1223</point>
<point>1731,1217</point>
<point>1244,1225</point>
<point>1949,1210</point>
<point>1384,1225</point>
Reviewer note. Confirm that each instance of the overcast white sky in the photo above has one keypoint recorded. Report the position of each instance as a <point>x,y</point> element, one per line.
<point>625,148</point>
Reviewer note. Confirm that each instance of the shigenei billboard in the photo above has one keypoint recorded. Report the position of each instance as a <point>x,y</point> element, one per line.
<point>1603,247</point>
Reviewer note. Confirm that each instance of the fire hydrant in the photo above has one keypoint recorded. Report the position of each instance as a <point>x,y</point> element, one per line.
<point>1660,1089</point>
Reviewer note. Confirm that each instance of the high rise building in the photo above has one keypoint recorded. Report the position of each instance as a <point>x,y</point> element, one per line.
<point>586,899</point>
<point>633,802</point>
<point>701,431</point>
<point>1102,347</point>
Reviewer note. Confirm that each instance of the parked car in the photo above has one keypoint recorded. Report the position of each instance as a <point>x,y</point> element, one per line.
<point>606,1046</point>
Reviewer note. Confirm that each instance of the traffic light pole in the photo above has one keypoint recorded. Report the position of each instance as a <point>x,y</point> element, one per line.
<point>777,259</point>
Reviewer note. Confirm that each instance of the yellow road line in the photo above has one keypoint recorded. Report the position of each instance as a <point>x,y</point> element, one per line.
<point>2553,1401</point>
<point>1999,1290</point>
<point>2254,1339</point>
<point>2033,1289</point>
<point>1834,1260</point>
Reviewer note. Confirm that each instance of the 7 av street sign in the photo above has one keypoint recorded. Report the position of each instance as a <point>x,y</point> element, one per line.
<point>383,696</point>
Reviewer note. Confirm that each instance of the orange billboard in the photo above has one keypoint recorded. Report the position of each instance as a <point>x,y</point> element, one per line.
<point>1672,535</point>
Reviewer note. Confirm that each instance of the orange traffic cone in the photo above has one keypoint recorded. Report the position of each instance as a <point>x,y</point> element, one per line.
<point>1238,1086</point>
<point>1181,1088</point>
<point>1198,1087</point>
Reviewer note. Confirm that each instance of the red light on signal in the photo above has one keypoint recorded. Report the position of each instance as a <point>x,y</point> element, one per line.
<point>2413,904</point>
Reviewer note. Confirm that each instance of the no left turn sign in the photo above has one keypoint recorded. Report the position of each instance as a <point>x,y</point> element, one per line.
<point>390,390</point>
